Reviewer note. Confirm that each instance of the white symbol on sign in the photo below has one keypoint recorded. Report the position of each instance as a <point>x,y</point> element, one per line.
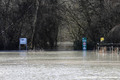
<point>84,48</point>
<point>84,43</point>
<point>23,40</point>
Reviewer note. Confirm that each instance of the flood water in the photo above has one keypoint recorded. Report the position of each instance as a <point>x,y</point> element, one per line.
<point>59,65</point>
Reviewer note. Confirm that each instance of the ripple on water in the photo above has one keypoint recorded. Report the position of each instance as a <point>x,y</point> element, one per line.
<point>58,72</point>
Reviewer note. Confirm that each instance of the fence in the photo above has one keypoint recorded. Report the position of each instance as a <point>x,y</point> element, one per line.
<point>108,47</point>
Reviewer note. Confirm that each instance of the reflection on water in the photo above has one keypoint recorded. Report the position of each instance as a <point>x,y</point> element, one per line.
<point>84,53</point>
<point>23,54</point>
<point>82,65</point>
<point>107,56</point>
<point>56,57</point>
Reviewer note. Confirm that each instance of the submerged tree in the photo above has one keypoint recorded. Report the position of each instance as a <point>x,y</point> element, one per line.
<point>90,18</point>
<point>36,20</point>
<point>46,26</point>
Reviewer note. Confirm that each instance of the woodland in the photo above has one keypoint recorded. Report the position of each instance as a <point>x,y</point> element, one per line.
<point>41,20</point>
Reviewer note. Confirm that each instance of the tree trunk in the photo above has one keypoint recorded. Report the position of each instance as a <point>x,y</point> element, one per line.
<point>34,23</point>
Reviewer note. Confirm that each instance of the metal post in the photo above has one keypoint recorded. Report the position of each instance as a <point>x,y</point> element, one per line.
<point>103,49</point>
<point>98,47</point>
<point>118,50</point>
<point>26,47</point>
<point>112,48</point>
<point>19,47</point>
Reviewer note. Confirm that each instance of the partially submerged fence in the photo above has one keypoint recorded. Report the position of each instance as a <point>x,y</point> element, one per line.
<point>108,47</point>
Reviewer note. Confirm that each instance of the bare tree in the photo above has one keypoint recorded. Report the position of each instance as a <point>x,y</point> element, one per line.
<point>36,20</point>
<point>90,18</point>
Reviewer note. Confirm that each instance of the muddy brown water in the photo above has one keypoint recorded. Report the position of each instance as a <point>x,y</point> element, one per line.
<point>59,65</point>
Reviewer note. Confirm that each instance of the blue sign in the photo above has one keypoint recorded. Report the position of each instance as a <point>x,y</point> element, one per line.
<point>23,40</point>
<point>84,43</point>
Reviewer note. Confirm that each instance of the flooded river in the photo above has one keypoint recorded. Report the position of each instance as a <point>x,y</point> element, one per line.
<point>59,65</point>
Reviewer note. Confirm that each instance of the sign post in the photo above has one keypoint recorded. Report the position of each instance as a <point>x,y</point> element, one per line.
<point>22,41</point>
<point>84,43</point>
<point>101,39</point>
